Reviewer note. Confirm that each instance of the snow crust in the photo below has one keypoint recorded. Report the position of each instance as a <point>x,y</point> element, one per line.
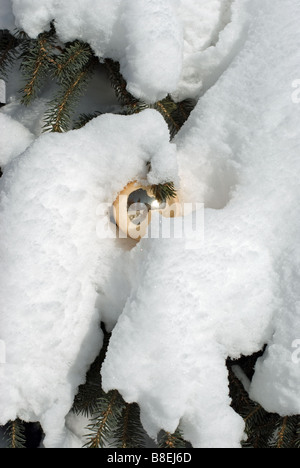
<point>176,312</point>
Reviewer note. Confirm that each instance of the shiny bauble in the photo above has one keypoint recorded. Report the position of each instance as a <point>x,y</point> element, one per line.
<point>134,207</point>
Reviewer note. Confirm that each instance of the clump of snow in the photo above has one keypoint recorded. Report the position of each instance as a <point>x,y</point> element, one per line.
<point>131,31</point>
<point>177,310</point>
<point>153,56</point>
<point>177,47</point>
<point>214,33</point>
<point>14,139</point>
<point>188,310</point>
<point>55,262</point>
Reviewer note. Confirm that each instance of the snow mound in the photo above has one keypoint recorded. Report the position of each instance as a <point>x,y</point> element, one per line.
<point>54,263</point>
<point>177,310</point>
<point>188,310</point>
<point>177,47</point>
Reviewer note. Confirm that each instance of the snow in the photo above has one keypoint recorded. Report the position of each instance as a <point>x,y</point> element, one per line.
<point>239,154</point>
<point>177,310</point>
<point>177,47</point>
<point>173,361</point>
<point>117,29</point>
<point>54,261</point>
<point>209,44</point>
<point>12,147</point>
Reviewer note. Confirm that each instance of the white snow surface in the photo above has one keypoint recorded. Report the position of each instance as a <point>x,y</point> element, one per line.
<point>54,261</point>
<point>188,310</point>
<point>14,139</point>
<point>176,47</point>
<point>176,313</point>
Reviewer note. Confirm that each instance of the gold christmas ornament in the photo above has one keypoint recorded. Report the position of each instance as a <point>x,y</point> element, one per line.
<point>135,205</point>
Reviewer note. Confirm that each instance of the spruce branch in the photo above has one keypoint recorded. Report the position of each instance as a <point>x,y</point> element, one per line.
<point>102,427</point>
<point>172,441</point>
<point>263,429</point>
<point>282,430</point>
<point>167,107</point>
<point>58,117</point>
<point>129,432</point>
<point>112,420</point>
<point>37,59</point>
<point>296,443</point>
<point>84,119</point>
<point>175,114</point>
<point>73,58</point>
<point>119,85</point>
<point>15,433</point>
<point>285,433</point>
<point>87,398</point>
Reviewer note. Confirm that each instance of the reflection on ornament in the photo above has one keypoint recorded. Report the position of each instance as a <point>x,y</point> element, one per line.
<point>134,206</point>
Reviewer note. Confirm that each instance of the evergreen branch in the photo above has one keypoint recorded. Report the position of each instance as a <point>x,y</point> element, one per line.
<point>119,85</point>
<point>37,58</point>
<point>285,434</point>
<point>29,88</point>
<point>183,110</point>
<point>15,433</point>
<point>103,424</point>
<point>264,430</point>
<point>59,121</point>
<point>175,114</point>
<point>122,432</point>
<point>296,443</point>
<point>58,117</point>
<point>172,441</point>
<point>87,398</point>
<point>74,57</point>
<point>282,432</point>
<point>129,432</point>
<point>112,420</point>
<point>167,107</point>
<point>259,425</point>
